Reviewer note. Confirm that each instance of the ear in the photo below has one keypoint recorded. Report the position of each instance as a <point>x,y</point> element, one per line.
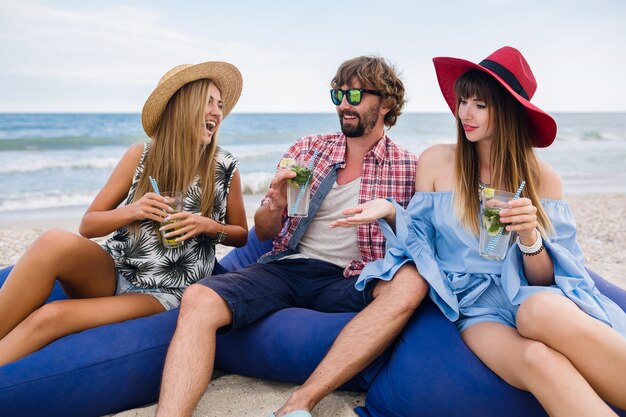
<point>385,106</point>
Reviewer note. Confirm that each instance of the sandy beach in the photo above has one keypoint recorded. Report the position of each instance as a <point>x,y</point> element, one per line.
<point>232,395</point>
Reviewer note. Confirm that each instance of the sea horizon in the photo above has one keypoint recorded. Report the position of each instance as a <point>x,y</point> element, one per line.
<point>55,161</point>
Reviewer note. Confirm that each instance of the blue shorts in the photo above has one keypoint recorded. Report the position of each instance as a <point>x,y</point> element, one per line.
<point>491,306</point>
<point>262,289</point>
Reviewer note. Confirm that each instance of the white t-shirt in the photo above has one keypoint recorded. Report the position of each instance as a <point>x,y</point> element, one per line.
<point>338,245</point>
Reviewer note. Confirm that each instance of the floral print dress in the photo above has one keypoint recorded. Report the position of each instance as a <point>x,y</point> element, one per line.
<point>141,257</point>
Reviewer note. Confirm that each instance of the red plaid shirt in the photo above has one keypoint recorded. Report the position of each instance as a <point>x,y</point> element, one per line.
<point>388,171</point>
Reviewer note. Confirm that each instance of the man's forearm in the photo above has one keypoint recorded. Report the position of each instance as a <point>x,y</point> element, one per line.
<point>267,222</point>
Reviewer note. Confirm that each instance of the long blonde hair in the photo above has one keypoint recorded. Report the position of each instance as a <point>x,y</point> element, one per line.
<point>512,158</point>
<point>177,154</point>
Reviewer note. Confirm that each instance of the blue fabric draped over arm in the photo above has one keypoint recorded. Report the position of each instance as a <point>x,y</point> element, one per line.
<point>413,241</point>
<point>570,276</point>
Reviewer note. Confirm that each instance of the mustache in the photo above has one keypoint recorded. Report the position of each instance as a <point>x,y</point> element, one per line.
<point>349,113</point>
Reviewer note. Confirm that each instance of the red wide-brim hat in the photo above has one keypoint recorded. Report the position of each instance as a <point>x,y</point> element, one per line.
<point>509,68</point>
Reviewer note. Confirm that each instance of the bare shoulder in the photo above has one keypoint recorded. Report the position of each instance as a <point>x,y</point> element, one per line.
<point>550,186</point>
<point>128,163</point>
<point>439,153</point>
<point>134,152</point>
<point>435,161</point>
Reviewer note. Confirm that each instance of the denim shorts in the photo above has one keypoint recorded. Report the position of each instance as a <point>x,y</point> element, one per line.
<point>167,300</point>
<point>261,289</point>
<point>491,306</point>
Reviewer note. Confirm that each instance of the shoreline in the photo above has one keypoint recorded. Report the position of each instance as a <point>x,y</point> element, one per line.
<point>601,241</point>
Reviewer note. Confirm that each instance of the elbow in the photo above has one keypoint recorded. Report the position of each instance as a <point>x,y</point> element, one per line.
<point>84,231</point>
<point>541,278</point>
<point>242,241</point>
<point>262,234</point>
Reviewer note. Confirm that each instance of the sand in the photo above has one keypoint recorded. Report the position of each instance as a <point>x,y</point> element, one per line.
<point>601,229</point>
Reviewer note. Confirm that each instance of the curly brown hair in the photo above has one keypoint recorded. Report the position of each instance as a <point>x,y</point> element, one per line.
<point>375,73</point>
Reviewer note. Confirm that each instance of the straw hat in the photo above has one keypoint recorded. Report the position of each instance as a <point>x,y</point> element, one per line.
<point>226,77</point>
<point>509,68</point>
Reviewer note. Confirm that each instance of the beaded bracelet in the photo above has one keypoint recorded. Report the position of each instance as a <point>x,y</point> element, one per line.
<point>535,253</point>
<point>533,249</point>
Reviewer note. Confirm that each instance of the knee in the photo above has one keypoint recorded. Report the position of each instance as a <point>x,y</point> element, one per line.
<point>538,313</point>
<point>45,318</point>
<point>406,290</point>
<point>202,304</point>
<point>54,241</point>
<point>540,359</point>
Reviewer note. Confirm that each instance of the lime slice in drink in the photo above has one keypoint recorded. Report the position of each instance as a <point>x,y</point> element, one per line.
<point>491,222</point>
<point>488,192</point>
<point>486,222</point>
<point>286,162</point>
<point>494,230</point>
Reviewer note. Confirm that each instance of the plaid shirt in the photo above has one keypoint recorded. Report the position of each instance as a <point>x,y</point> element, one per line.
<point>388,171</point>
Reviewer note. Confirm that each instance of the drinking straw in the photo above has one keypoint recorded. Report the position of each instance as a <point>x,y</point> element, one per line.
<point>306,184</point>
<point>154,185</point>
<point>491,246</point>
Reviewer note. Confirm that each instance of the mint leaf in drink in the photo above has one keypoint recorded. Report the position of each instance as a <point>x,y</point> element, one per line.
<point>491,221</point>
<point>490,212</point>
<point>302,175</point>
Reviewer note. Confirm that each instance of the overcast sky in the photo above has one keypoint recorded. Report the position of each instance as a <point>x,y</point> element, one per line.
<point>106,56</point>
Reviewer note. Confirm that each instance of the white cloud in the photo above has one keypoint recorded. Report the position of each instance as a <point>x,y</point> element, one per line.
<point>108,56</point>
<point>114,47</point>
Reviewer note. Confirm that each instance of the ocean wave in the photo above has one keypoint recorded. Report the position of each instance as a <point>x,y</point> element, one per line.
<point>252,183</point>
<point>256,182</point>
<point>65,143</point>
<point>43,164</point>
<point>34,201</point>
<point>590,136</point>
<point>260,151</point>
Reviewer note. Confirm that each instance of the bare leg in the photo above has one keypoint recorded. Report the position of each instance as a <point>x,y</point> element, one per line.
<point>365,337</point>
<point>60,318</point>
<point>82,266</point>
<point>597,351</point>
<point>535,367</point>
<point>190,357</point>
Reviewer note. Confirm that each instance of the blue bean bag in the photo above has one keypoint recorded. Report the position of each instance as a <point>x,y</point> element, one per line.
<point>432,373</point>
<point>429,371</point>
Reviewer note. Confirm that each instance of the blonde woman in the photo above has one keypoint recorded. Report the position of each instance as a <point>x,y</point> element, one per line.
<point>132,274</point>
<point>535,318</point>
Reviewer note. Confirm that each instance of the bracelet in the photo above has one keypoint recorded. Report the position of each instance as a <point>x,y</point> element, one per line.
<point>533,249</point>
<point>535,253</point>
<point>220,236</point>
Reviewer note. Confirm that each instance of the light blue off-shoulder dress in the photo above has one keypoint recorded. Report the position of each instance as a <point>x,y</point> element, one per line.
<point>470,289</point>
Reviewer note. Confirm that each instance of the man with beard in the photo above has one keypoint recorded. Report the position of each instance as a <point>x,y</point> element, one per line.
<point>311,264</point>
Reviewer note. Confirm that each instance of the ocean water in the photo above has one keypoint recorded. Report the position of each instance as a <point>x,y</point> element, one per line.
<point>55,162</point>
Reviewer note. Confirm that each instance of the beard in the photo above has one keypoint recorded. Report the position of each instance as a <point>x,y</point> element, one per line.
<point>365,122</point>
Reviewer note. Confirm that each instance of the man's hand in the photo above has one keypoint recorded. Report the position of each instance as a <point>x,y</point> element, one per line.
<point>367,213</point>
<point>277,193</point>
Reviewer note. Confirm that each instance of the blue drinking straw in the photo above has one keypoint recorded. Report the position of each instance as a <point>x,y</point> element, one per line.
<point>491,246</point>
<point>154,185</point>
<point>306,184</point>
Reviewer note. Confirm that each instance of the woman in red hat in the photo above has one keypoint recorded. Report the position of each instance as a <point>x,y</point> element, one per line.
<point>535,318</point>
<point>134,274</point>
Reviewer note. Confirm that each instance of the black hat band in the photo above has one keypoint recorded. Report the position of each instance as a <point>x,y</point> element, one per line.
<point>506,75</point>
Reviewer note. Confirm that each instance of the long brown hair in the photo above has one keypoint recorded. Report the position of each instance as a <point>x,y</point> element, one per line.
<point>512,158</point>
<point>176,154</point>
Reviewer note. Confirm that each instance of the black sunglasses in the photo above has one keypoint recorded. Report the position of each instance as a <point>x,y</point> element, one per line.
<point>353,95</point>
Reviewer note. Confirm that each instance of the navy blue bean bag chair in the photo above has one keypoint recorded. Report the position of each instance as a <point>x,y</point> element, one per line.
<point>429,371</point>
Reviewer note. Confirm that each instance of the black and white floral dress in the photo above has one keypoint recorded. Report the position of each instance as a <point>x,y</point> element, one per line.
<point>146,265</point>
